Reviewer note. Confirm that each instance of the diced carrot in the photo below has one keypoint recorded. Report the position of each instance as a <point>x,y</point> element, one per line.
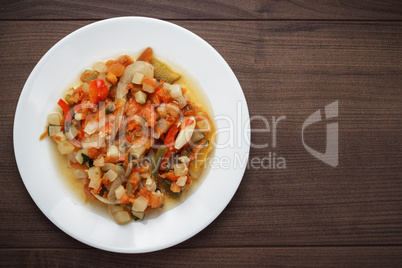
<point>111,78</point>
<point>175,188</point>
<point>44,134</point>
<point>116,68</point>
<point>110,62</point>
<point>154,200</point>
<point>170,175</point>
<point>125,60</point>
<point>93,152</point>
<point>144,192</point>
<point>146,55</point>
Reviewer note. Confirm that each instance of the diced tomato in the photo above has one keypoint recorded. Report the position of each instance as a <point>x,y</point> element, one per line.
<point>98,90</point>
<point>116,68</point>
<point>171,136</point>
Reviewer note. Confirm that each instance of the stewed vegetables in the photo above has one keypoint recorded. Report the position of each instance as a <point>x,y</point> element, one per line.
<point>132,134</point>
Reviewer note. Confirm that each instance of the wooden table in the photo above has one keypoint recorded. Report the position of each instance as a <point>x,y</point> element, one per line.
<point>291,58</point>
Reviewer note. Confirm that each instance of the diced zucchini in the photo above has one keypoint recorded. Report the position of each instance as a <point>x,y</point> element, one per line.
<point>137,78</point>
<point>51,130</point>
<point>54,119</point>
<point>140,97</point>
<point>79,157</point>
<point>197,136</point>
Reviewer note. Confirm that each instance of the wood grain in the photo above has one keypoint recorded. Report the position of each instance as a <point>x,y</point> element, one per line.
<point>214,9</point>
<point>239,257</point>
<point>285,68</point>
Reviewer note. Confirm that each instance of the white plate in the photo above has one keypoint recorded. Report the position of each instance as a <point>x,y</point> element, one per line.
<point>106,39</point>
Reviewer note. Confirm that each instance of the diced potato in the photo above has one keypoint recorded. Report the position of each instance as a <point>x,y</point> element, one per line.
<point>122,217</point>
<point>52,130</point>
<point>80,173</point>
<point>54,119</point>
<point>137,151</point>
<point>58,137</point>
<point>72,133</point>
<point>149,84</point>
<point>95,183</point>
<point>99,162</point>
<point>181,181</point>
<point>113,152</point>
<point>175,91</point>
<point>111,175</point>
<point>91,127</point>
<point>184,159</point>
<point>137,78</point>
<point>182,101</point>
<point>94,173</point>
<point>78,116</point>
<point>180,169</point>
<point>140,97</point>
<point>100,67</point>
<point>140,204</point>
<point>79,157</point>
<point>120,192</point>
<point>65,147</point>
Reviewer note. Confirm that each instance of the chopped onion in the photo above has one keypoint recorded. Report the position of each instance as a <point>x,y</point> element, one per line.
<point>104,200</point>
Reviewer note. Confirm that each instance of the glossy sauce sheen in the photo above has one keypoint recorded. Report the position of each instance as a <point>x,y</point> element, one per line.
<point>197,95</point>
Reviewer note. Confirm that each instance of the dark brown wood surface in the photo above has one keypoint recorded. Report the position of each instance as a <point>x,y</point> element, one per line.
<point>291,58</point>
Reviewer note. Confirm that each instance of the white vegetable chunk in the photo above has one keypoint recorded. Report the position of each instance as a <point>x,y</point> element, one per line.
<point>180,169</point>
<point>185,134</point>
<point>175,91</point>
<point>140,204</point>
<point>113,152</point>
<point>100,67</point>
<point>91,127</point>
<point>65,147</point>
<point>111,175</point>
<point>140,97</point>
<point>137,78</point>
<point>54,119</point>
<point>94,173</point>
<point>120,192</point>
<point>181,181</point>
